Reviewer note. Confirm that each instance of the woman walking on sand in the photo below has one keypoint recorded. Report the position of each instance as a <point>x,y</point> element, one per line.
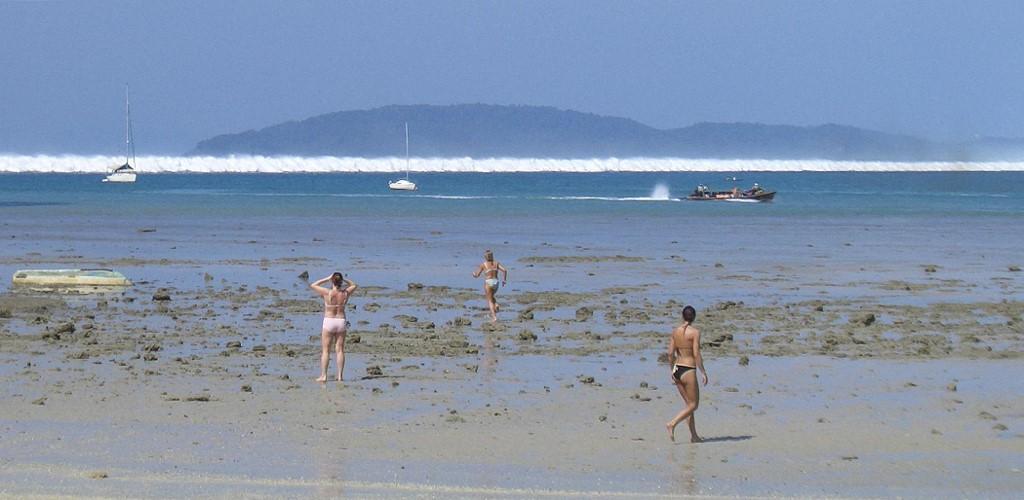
<point>684,357</point>
<point>335,325</point>
<point>489,268</point>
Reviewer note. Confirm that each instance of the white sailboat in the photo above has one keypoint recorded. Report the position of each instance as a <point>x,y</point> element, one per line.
<point>404,184</point>
<point>125,173</point>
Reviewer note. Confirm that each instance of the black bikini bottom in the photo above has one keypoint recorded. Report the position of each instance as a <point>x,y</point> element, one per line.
<point>680,371</point>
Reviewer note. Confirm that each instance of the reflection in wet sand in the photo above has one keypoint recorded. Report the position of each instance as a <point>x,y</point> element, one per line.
<point>329,462</point>
<point>683,461</point>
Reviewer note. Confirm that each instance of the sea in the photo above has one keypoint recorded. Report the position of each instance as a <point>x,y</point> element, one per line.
<point>860,232</point>
<point>860,224</point>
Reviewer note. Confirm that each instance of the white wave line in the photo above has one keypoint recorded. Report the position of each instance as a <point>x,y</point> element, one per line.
<point>289,164</point>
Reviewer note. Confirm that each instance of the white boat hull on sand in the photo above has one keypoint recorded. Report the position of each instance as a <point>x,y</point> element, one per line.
<point>69,277</point>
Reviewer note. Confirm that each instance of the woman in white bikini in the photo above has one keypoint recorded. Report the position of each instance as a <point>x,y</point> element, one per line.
<point>335,324</point>
<point>684,356</point>
<point>489,268</point>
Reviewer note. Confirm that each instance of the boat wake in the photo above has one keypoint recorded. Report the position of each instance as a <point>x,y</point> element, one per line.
<point>221,192</point>
<point>659,193</point>
<point>606,198</point>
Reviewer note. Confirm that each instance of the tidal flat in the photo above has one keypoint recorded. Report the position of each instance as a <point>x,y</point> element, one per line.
<point>209,384</point>
<point>848,356</point>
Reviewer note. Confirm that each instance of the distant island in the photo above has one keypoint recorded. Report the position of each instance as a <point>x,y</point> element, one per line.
<point>492,131</point>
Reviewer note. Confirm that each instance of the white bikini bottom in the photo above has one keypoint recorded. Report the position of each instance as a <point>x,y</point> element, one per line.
<point>335,325</point>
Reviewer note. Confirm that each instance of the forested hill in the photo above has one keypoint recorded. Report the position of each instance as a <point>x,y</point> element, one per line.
<point>487,131</point>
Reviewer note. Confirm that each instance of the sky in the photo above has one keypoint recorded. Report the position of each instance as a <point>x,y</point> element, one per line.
<point>942,70</point>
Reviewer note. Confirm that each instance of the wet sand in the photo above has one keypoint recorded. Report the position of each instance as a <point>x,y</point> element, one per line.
<point>850,358</point>
<point>199,382</point>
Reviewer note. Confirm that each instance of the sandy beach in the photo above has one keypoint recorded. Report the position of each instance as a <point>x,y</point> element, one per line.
<point>833,189</point>
<point>863,377</point>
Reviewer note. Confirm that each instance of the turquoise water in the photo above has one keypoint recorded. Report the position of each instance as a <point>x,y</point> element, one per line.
<point>826,236</point>
<point>463,194</point>
<point>822,228</point>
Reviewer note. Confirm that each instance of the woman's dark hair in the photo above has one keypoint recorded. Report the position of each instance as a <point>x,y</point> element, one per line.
<point>337,279</point>
<point>489,256</point>
<point>689,314</point>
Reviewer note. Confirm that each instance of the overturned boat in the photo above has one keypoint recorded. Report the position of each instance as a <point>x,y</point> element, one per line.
<point>755,194</point>
<point>69,278</point>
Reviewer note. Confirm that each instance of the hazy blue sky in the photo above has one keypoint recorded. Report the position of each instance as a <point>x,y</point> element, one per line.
<point>938,69</point>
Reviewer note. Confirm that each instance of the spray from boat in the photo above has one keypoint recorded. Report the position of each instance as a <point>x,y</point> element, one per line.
<point>661,192</point>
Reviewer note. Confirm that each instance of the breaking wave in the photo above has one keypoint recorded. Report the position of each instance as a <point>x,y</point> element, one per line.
<point>289,164</point>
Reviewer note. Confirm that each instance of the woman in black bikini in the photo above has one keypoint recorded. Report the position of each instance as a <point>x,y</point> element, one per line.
<point>684,356</point>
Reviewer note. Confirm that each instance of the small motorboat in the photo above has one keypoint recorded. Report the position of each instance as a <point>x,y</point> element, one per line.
<point>69,277</point>
<point>753,195</point>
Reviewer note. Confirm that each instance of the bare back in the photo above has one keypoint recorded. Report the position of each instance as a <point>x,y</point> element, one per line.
<point>490,269</point>
<point>683,338</point>
<point>334,303</point>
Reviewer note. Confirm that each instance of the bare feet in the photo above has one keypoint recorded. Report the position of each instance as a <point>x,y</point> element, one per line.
<point>671,431</point>
<point>323,378</point>
<point>696,439</point>
<point>339,379</point>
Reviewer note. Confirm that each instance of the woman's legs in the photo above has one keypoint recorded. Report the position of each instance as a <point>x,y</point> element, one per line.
<point>692,388</point>
<point>671,425</point>
<point>491,303</point>
<point>690,393</point>
<point>325,353</point>
<point>339,350</point>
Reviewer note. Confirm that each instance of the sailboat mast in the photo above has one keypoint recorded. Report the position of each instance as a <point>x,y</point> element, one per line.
<point>406,150</point>
<point>127,127</point>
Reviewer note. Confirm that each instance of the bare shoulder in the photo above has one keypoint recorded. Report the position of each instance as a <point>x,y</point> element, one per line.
<point>688,332</point>
<point>678,333</point>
